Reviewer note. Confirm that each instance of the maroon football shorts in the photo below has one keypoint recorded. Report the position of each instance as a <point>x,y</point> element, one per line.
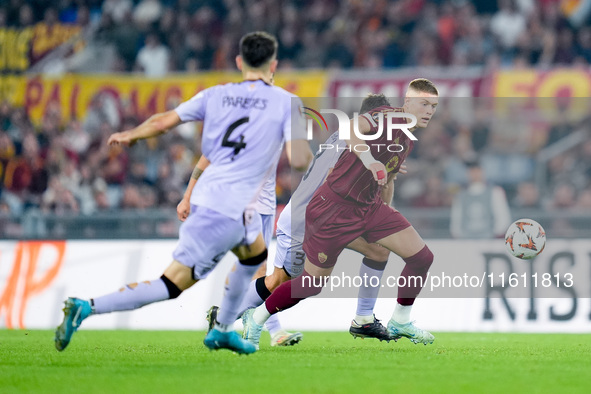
<point>332,223</point>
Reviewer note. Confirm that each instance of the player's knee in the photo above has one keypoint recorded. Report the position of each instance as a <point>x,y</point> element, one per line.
<point>421,260</point>
<point>173,290</point>
<point>377,253</point>
<point>378,265</point>
<point>256,260</point>
<point>429,257</point>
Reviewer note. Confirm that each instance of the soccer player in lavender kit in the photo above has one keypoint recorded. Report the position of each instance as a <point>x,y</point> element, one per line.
<point>265,206</point>
<point>245,126</point>
<point>348,206</point>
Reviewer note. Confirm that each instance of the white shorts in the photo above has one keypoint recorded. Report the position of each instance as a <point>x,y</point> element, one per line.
<point>289,255</point>
<point>206,236</point>
<point>253,226</point>
<point>268,224</point>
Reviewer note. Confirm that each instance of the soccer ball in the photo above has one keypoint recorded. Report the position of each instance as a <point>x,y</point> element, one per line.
<point>525,239</point>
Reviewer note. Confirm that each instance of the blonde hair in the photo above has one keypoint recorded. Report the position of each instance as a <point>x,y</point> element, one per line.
<point>423,85</point>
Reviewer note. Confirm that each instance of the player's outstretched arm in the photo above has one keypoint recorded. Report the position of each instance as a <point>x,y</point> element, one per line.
<point>299,154</point>
<point>361,149</point>
<point>184,207</point>
<point>155,125</point>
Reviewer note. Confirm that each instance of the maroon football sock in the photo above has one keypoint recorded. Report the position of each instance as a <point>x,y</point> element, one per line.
<point>416,266</point>
<point>292,292</point>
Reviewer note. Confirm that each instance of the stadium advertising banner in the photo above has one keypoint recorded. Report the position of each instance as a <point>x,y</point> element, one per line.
<point>548,92</point>
<point>75,94</point>
<point>21,48</point>
<point>528,83</point>
<point>532,83</point>
<point>394,84</point>
<point>549,294</point>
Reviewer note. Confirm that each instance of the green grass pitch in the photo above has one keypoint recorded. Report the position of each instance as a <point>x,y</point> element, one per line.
<point>324,362</point>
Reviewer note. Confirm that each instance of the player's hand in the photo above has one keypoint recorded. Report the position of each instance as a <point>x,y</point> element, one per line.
<point>401,170</point>
<point>378,170</point>
<point>122,138</point>
<point>183,210</point>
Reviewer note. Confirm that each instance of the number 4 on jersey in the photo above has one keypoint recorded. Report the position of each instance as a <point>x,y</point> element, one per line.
<point>237,145</point>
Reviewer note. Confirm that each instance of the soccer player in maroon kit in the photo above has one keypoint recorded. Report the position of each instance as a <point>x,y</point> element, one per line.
<point>348,205</point>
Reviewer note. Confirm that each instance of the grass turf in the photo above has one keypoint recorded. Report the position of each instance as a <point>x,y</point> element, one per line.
<point>177,361</point>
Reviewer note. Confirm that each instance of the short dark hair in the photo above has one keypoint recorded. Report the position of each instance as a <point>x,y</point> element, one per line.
<point>258,48</point>
<point>372,101</point>
<point>423,85</point>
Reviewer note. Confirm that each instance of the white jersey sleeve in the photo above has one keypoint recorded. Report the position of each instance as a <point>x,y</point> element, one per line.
<point>292,220</point>
<point>194,108</point>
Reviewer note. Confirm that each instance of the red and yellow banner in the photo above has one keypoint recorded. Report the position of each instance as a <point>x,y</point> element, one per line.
<point>533,83</point>
<point>22,48</point>
<point>552,92</point>
<point>75,93</point>
<point>527,89</point>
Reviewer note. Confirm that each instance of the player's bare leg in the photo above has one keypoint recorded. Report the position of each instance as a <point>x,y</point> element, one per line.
<point>409,245</point>
<point>365,324</point>
<point>180,275</point>
<point>262,271</point>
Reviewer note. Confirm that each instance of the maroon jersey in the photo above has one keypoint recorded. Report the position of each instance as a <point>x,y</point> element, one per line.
<point>351,180</point>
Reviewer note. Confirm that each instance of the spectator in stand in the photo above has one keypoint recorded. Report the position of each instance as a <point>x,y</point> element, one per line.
<point>434,195</point>
<point>480,210</point>
<point>58,199</point>
<point>507,25</point>
<point>584,200</point>
<point>525,32</point>
<point>154,58</point>
<point>76,139</point>
<point>117,10</point>
<point>564,197</point>
<point>528,196</point>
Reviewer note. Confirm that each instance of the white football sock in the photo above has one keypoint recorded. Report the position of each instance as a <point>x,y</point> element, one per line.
<point>361,320</point>
<point>251,299</point>
<point>401,313</point>
<point>367,297</point>
<point>223,327</point>
<point>261,314</point>
<point>236,284</point>
<point>273,325</point>
<point>132,296</point>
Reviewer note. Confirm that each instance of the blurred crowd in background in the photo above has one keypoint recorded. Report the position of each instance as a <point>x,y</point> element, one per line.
<point>66,167</point>
<point>70,168</point>
<point>160,36</point>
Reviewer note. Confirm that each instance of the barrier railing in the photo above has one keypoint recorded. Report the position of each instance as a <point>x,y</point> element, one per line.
<point>163,224</point>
